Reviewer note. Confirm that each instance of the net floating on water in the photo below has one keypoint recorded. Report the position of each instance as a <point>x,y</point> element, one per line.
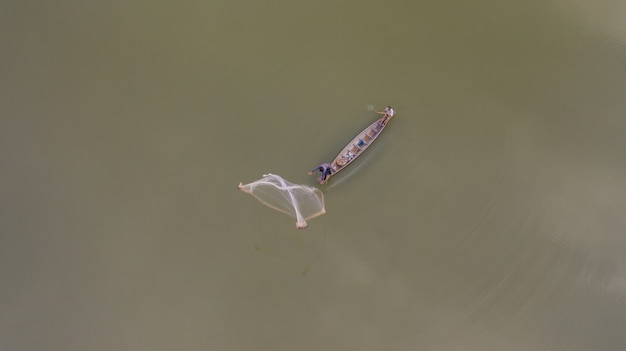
<point>301,202</point>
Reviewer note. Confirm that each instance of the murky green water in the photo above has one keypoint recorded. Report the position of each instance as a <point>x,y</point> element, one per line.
<point>488,216</point>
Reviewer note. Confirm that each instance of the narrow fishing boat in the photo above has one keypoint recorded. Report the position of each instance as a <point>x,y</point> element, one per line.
<point>355,147</point>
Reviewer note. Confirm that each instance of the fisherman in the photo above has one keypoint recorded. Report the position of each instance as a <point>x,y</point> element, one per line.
<point>388,112</point>
<point>325,169</point>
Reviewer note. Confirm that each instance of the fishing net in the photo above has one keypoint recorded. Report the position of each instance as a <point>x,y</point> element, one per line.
<point>301,202</point>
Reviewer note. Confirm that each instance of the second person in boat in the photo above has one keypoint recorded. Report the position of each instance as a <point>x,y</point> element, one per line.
<point>388,112</point>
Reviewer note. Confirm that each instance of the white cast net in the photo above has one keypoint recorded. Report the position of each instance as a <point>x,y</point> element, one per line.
<point>301,202</point>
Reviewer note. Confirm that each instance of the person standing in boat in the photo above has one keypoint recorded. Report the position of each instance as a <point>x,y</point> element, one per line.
<point>325,169</point>
<point>388,112</point>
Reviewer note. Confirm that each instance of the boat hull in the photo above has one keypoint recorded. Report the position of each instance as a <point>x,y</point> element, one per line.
<point>355,148</point>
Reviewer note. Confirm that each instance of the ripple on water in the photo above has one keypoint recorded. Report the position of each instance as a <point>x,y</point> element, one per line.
<point>605,20</point>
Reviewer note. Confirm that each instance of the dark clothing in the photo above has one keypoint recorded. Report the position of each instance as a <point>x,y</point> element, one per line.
<point>326,173</point>
<point>325,169</point>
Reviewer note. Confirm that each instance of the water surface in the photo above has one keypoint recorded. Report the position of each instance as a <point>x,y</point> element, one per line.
<point>489,215</point>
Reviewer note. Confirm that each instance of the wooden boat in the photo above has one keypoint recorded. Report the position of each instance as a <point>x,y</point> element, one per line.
<point>352,150</point>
